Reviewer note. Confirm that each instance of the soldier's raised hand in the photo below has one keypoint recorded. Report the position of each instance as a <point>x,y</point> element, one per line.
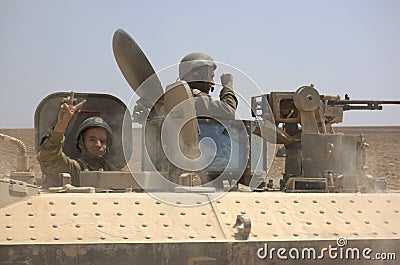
<point>66,112</point>
<point>227,80</point>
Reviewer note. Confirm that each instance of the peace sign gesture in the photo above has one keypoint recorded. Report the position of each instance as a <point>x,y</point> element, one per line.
<point>66,112</point>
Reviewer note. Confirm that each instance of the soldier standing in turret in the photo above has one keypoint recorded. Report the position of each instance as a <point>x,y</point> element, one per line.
<point>197,69</point>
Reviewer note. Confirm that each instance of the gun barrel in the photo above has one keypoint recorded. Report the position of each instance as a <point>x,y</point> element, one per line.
<point>363,104</point>
<point>369,101</point>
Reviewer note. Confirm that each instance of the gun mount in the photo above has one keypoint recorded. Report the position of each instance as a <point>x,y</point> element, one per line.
<point>318,159</point>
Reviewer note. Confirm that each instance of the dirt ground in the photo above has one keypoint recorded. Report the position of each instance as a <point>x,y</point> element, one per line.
<point>382,155</point>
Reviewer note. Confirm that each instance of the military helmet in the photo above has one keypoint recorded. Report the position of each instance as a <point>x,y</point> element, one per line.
<point>90,123</point>
<point>194,61</point>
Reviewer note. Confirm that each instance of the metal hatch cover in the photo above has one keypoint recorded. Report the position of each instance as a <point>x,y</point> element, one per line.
<point>136,68</point>
<point>108,107</point>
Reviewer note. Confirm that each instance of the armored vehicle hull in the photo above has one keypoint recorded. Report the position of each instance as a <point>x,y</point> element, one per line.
<point>239,228</point>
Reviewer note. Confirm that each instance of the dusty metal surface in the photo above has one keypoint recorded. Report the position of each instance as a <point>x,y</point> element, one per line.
<point>12,191</point>
<point>137,217</point>
<point>101,218</point>
<point>135,228</point>
<point>314,216</point>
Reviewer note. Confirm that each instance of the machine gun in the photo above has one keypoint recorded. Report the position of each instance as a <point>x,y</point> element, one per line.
<point>348,104</point>
<point>317,159</point>
<point>314,112</point>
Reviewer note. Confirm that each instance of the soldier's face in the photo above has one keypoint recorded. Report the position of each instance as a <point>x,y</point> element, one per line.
<point>95,141</point>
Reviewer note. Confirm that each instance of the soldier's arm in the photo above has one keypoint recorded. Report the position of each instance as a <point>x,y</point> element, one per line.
<point>218,109</point>
<point>52,159</point>
<point>227,95</point>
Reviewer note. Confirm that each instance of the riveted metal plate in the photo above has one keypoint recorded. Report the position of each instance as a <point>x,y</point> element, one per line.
<point>95,218</point>
<point>280,216</point>
<point>137,217</point>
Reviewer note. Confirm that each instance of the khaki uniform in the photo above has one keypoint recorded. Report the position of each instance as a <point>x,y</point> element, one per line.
<point>54,161</point>
<point>220,109</point>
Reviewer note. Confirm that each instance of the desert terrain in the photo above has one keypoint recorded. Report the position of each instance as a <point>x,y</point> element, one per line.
<point>382,155</point>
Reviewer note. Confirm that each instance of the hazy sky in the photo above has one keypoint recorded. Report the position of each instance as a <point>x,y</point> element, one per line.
<point>340,46</point>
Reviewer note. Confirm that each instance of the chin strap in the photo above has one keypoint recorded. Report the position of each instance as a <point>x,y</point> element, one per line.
<point>100,158</point>
<point>83,161</point>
